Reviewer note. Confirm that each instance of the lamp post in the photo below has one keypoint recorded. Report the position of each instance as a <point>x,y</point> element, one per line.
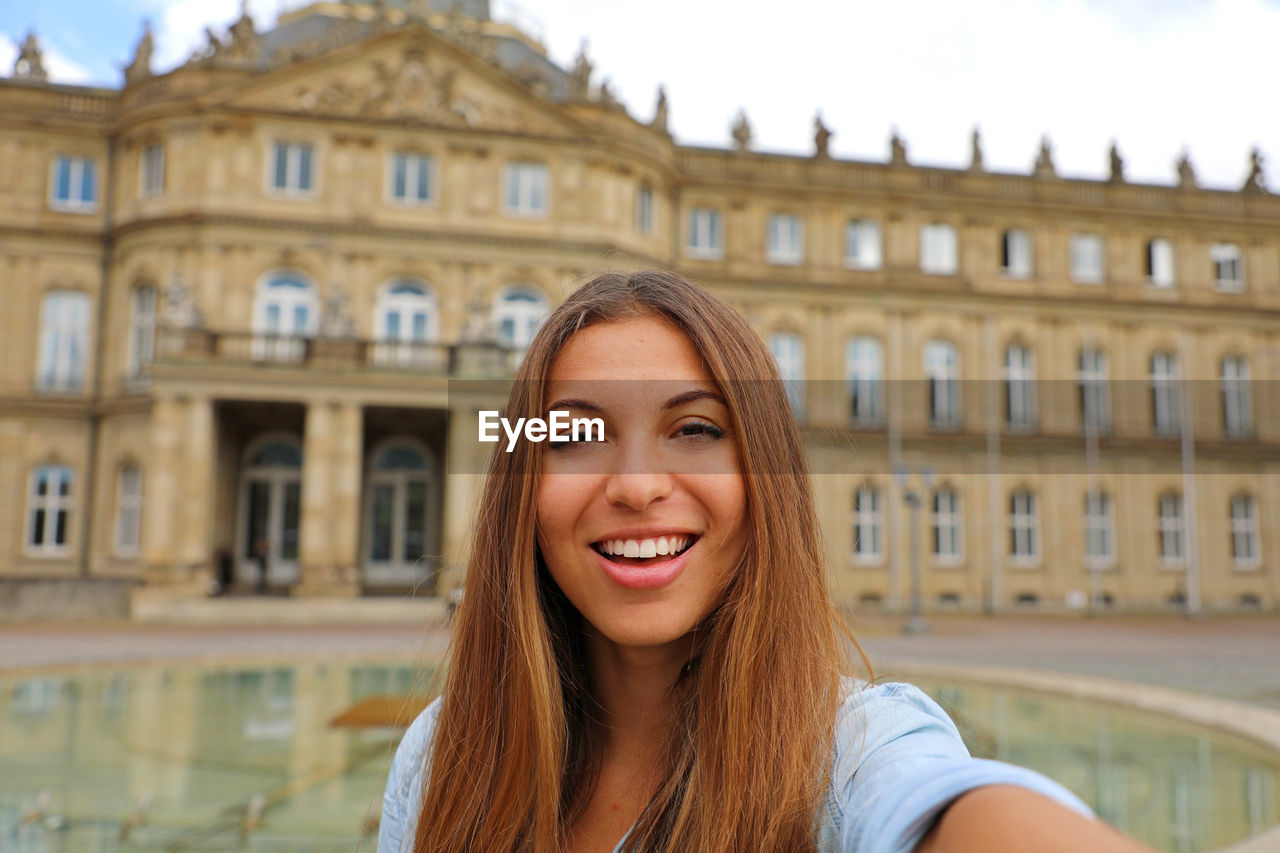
<point>915,622</point>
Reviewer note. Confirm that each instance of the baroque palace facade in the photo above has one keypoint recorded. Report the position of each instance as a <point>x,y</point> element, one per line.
<point>235,296</point>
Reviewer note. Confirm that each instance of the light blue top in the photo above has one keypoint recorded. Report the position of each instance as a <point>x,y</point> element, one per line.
<point>899,761</point>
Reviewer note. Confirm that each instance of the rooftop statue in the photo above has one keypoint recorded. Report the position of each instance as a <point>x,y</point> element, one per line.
<point>1257,181</point>
<point>244,41</point>
<point>741,131</point>
<point>897,149</point>
<point>140,67</point>
<point>580,77</point>
<point>1117,165</point>
<point>660,111</point>
<point>975,150</point>
<point>1044,160</point>
<point>1186,172</point>
<point>821,136</point>
<point>30,62</point>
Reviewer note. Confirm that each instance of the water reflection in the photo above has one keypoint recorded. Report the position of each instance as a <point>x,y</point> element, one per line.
<point>1177,787</point>
<point>200,759</point>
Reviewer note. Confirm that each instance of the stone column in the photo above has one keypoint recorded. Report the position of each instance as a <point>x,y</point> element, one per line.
<point>462,485</point>
<point>161,491</point>
<point>346,470</point>
<point>194,510</point>
<point>321,525</point>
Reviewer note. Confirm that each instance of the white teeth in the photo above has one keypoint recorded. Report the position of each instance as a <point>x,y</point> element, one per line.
<point>660,546</point>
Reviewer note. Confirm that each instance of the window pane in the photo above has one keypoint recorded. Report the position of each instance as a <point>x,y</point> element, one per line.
<point>415,522</point>
<point>62,183</point>
<point>383,512</point>
<point>60,527</point>
<point>292,511</point>
<point>281,178</point>
<point>37,528</point>
<point>304,167</point>
<point>424,178</point>
<point>400,179</point>
<point>88,181</point>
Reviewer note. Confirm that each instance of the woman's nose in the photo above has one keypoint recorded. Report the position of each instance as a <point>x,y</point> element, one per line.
<point>638,480</point>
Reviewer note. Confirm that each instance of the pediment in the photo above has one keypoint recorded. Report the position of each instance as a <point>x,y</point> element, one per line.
<point>411,76</point>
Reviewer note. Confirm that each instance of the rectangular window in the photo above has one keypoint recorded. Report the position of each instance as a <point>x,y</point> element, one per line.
<point>862,250</point>
<point>938,249</point>
<point>784,242</point>
<point>1024,545</point>
<point>1099,530</point>
<point>1015,253</point>
<point>867,525</point>
<point>946,526</point>
<point>1165,416</point>
<point>1244,532</point>
<point>644,209</point>
<point>412,178</point>
<point>75,184</point>
<point>705,238</point>
<point>1170,532</point>
<point>527,189</point>
<point>1237,405</point>
<point>942,370</point>
<point>291,172</point>
<point>49,511</point>
<point>1019,384</point>
<point>142,330</point>
<point>64,341</point>
<point>1095,397</point>
<point>1159,267</point>
<point>1087,260</point>
<point>788,354</point>
<point>128,511</point>
<point>152,170</point>
<point>1228,267</point>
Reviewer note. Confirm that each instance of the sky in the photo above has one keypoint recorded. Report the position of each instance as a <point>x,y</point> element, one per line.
<point>1155,76</point>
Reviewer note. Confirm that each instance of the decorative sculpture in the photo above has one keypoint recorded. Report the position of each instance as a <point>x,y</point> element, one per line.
<point>338,322</point>
<point>821,136</point>
<point>1117,165</point>
<point>1186,172</point>
<point>244,42</point>
<point>659,122</point>
<point>180,310</point>
<point>741,131</point>
<point>1044,160</point>
<point>897,149</point>
<point>30,62</point>
<point>975,150</point>
<point>1257,181</point>
<point>580,78</point>
<point>140,67</point>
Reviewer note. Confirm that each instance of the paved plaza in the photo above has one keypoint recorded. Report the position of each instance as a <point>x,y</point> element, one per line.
<point>1235,658</point>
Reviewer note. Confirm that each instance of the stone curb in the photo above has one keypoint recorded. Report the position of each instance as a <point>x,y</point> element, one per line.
<point>1260,726</point>
<point>287,611</point>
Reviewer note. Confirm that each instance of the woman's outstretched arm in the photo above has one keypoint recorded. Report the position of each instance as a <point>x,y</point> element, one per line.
<point>1005,818</point>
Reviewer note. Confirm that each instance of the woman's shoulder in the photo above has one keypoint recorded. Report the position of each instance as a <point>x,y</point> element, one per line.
<point>404,782</point>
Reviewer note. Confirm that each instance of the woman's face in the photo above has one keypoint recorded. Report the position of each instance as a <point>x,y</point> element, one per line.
<point>641,531</point>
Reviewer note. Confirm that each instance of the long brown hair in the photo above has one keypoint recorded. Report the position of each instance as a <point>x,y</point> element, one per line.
<point>515,752</point>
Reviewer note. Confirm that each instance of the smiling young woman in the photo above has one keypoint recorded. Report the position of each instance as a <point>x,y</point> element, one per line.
<point>646,658</point>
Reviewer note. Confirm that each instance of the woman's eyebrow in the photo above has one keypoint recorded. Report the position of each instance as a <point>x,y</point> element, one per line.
<point>691,396</point>
<point>582,405</point>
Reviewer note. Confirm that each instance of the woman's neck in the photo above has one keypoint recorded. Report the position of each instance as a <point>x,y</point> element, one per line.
<point>633,686</point>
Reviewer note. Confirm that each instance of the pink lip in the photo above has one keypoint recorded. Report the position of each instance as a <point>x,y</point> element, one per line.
<point>644,577</point>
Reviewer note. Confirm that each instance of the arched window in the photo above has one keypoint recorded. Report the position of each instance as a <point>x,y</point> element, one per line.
<point>406,325</point>
<point>1245,550</point>
<point>517,314</point>
<point>867,524</point>
<point>1095,396</point>
<point>399,517</point>
<point>864,371</point>
<point>64,341</point>
<point>270,511</point>
<point>283,315</point>
<point>49,504</point>
<point>788,353</point>
<point>942,369</point>
<point>142,330</point>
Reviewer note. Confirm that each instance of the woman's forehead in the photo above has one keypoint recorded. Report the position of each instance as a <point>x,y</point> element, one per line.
<point>647,348</point>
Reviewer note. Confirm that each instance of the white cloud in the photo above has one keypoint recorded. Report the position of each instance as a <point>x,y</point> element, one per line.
<point>60,68</point>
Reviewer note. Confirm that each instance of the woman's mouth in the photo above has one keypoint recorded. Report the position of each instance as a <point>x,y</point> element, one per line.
<point>644,563</point>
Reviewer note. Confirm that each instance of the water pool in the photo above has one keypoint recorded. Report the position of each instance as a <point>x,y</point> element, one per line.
<point>198,748</point>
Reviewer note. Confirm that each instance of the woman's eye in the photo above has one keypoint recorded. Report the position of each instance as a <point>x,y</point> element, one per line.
<point>700,430</point>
